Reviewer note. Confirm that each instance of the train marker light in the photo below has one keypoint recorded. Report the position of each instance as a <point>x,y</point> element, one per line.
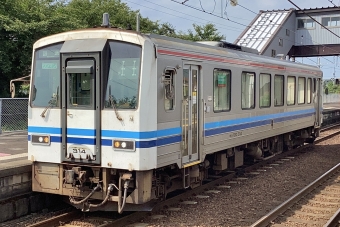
<point>126,145</point>
<point>40,139</point>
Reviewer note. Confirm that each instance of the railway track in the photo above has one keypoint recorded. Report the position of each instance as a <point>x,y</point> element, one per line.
<point>76,218</point>
<point>318,204</point>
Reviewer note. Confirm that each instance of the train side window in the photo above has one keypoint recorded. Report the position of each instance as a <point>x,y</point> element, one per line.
<point>169,91</point>
<point>291,90</point>
<point>309,90</point>
<point>301,90</point>
<point>248,90</point>
<point>265,94</point>
<point>278,90</point>
<point>222,89</point>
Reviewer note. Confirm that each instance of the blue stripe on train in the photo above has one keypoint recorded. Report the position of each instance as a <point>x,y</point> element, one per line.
<point>238,127</point>
<point>108,142</point>
<point>170,135</point>
<point>219,124</point>
<point>108,133</point>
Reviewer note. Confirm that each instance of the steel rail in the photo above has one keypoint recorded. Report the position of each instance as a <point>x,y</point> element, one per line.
<point>272,215</point>
<point>334,220</point>
<point>56,220</point>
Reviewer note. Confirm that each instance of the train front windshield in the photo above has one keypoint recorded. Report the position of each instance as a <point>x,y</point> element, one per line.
<point>46,76</point>
<point>121,87</point>
<point>123,81</point>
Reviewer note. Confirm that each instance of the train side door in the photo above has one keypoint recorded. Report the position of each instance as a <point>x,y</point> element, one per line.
<point>190,112</point>
<point>81,112</point>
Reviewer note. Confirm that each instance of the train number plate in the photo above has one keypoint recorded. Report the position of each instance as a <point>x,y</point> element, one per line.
<point>80,152</point>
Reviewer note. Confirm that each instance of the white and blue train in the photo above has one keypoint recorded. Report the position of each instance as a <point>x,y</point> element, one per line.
<point>118,119</point>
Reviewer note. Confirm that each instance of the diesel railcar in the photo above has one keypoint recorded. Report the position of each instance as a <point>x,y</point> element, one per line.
<point>118,119</point>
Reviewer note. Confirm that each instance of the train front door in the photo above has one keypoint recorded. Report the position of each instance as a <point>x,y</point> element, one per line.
<point>81,112</point>
<point>190,112</point>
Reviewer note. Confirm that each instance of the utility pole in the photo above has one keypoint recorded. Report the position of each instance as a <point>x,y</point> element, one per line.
<point>222,8</point>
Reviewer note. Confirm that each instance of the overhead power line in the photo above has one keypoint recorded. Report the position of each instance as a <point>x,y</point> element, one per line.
<point>192,7</point>
<point>207,21</point>
<point>333,3</point>
<point>204,10</point>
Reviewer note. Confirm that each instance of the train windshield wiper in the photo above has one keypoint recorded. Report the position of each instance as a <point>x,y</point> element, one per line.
<point>53,102</point>
<point>113,105</point>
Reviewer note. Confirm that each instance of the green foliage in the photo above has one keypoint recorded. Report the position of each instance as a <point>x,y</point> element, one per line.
<point>332,88</point>
<point>207,32</point>
<point>24,89</point>
<point>22,22</point>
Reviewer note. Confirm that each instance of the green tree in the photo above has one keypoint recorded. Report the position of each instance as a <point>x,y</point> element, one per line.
<point>22,22</point>
<point>207,32</point>
<point>88,13</point>
<point>332,88</point>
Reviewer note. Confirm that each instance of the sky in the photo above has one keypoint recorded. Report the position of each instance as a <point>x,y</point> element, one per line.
<point>181,16</point>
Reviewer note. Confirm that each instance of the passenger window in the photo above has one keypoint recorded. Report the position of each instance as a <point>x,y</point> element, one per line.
<point>248,90</point>
<point>222,89</point>
<point>169,91</point>
<point>265,85</point>
<point>278,90</point>
<point>309,90</point>
<point>301,90</point>
<point>290,90</point>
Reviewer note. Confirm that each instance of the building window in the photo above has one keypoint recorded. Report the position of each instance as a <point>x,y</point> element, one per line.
<point>278,90</point>
<point>280,42</point>
<point>330,21</point>
<point>273,53</point>
<point>305,23</point>
<point>301,90</point>
<point>248,90</point>
<point>222,88</point>
<point>290,90</point>
<point>287,32</point>
<point>309,90</point>
<point>265,84</point>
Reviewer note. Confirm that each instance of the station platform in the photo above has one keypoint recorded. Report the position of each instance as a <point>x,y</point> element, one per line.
<point>13,146</point>
<point>331,106</point>
<point>15,168</point>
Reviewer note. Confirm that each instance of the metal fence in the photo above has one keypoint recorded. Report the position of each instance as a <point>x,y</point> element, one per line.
<point>13,114</point>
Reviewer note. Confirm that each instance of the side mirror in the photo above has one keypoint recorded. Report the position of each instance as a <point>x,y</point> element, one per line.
<point>34,93</point>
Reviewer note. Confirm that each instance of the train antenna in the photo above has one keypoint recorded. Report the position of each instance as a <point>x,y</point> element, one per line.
<point>106,20</point>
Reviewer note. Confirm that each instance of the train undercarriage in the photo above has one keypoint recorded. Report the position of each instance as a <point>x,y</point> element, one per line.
<point>93,188</point>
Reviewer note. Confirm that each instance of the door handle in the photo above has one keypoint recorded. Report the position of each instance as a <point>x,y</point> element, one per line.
<point>69,114</point>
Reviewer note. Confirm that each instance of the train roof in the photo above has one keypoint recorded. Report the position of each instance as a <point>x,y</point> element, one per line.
<point>226,51</point>
<point>221,49</point>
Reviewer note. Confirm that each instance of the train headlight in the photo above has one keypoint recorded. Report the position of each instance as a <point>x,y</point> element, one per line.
<point>41,139</point>
<point>125,145</point>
